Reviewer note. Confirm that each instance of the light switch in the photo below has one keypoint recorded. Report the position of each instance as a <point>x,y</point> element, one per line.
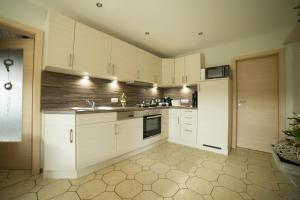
<point>114,100</point>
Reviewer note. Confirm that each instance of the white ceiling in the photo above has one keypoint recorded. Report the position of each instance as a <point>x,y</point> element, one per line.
<point>174,24</point>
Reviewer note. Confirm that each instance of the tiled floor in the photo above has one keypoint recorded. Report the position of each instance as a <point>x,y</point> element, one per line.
<point>167,171</point>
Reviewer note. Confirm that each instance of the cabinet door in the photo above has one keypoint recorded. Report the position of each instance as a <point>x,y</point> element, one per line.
<point>179,71</point>
<point>129,135</point>
<point>193,68</point>
<point>145,66</point>
<point>174,125</point>
<point>168,72</point>
<point>59,41</point>
<point>123,60</point>
<point>91,51</point>
<point>95,143</point>
<point>165,123</point>
<point>157,69</point>
<point>59,142</point>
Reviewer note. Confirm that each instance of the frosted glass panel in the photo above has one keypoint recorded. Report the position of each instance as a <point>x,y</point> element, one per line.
<point>11,92</point>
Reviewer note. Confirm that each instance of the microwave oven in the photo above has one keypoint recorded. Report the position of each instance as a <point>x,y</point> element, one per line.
<point>217,72</point>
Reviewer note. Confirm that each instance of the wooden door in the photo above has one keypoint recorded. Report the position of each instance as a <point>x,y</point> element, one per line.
<point>19,155</point>
<point>193,68</point>
<point>91,51</point>
<point>179,71</point>
<point>258,102</point>
<point>123,60</point>
<point>59,41</point>
<point>168,70</point>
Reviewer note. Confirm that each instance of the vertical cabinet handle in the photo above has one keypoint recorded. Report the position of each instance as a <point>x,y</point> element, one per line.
<point>70,60</point>
<point>178,120</point>
<point>155,78</point>
<point>113,69</point>
<point>138,74</point>
<point>71,135</point>
<point>108,68</point>
<point>182,79</point>
<point>116,129</point>
<point>173,79</point>
<point>186,79</point>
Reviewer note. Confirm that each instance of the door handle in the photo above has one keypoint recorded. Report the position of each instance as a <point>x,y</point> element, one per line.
<point>71,135</point>
<point>108,67</point>
<point>70,60</point>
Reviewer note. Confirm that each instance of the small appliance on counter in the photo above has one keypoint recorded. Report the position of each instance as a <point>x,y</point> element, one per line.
<point>217,72</point>
<point>169,101</point>
<point>176,102</point>
<point>195,99</point>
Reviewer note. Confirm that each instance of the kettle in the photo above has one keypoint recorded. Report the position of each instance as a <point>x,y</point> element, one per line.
<point>153,102</point>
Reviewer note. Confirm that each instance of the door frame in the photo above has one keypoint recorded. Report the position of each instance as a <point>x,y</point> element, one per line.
<point>281,89</point>
<point>37,35</point>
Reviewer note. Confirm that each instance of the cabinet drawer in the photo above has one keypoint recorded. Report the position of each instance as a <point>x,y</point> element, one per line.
<point>83,119</point>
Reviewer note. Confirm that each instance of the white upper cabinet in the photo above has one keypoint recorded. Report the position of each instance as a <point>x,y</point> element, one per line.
<point>91,51</point>
<point>179,71</point>
<point>145,66</point>
<point>59,39</point>
<point>187,70</point>
<point>168,72</point>
<point>192,68</point>
<point>123,60</point>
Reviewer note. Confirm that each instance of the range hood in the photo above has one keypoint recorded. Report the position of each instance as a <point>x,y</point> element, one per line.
<point>139,83</point>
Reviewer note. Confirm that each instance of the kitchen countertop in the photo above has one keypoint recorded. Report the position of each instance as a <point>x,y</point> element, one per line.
<point>109,109</point>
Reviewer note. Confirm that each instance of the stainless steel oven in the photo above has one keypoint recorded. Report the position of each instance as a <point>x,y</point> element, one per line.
<point>152,123</point>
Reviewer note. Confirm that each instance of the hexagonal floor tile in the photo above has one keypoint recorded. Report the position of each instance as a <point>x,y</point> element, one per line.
<point>207,174</point>
<point>105,170</point>
<point>53,189</point>
<point>145,161</point>
<point>235,172</point>
<point>221,193</point>
<point>187,166</point>
<point>263,181</point>
<point>82,180</point>
<point>114,177</point>
<point>212,165</point>
<point>129,188</point>
<point>160,168</point>
<point>177,176</point>
<point>67,196</point>
<point>170,161</point>
<point>259,193</point>
<point>232,183</point>
<point>186,194</point>
<point>194,159</point>
<point>165,187</point>
<point>148,195</point>
<point>91,189</point>
<point>29,196</point>
<point>199,185</point>
<point>146,177</point>
<point>131,168</point>
<point>108,196</point>
<point>156,156</point>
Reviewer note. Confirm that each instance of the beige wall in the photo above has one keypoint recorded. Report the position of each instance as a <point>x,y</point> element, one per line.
<point>23,12</point>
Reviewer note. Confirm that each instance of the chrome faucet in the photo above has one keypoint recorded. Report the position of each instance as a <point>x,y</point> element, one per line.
<point>91,103</point>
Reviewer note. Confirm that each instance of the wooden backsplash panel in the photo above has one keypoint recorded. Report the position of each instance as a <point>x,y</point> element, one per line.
<point>63,91</point>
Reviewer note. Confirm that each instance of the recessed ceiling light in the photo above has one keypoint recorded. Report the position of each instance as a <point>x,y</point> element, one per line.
<point>200,33</point>
<point>99,5</point>
<point>147,33</point>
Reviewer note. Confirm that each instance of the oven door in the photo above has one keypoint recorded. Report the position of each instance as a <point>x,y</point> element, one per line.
<point>152,125</point>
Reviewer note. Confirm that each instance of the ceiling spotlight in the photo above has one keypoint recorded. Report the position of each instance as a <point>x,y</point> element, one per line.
<point>200,33</point>
<point>147,33</point>
<point>99,5</point>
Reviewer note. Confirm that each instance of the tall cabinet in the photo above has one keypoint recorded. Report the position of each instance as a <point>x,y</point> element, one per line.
<point>214,130</point>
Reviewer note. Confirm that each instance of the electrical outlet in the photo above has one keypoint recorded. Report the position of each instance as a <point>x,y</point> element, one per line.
<point>114,100</point>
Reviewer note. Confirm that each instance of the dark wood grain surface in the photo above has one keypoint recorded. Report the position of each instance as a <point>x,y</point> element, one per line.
<point>63,90</point>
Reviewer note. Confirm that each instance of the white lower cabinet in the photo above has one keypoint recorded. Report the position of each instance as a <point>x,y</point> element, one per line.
<point>183,126</point>
<point>59,145</point>
<point>75,143</point>
<point>95,143</point>
<point>129,135</point>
